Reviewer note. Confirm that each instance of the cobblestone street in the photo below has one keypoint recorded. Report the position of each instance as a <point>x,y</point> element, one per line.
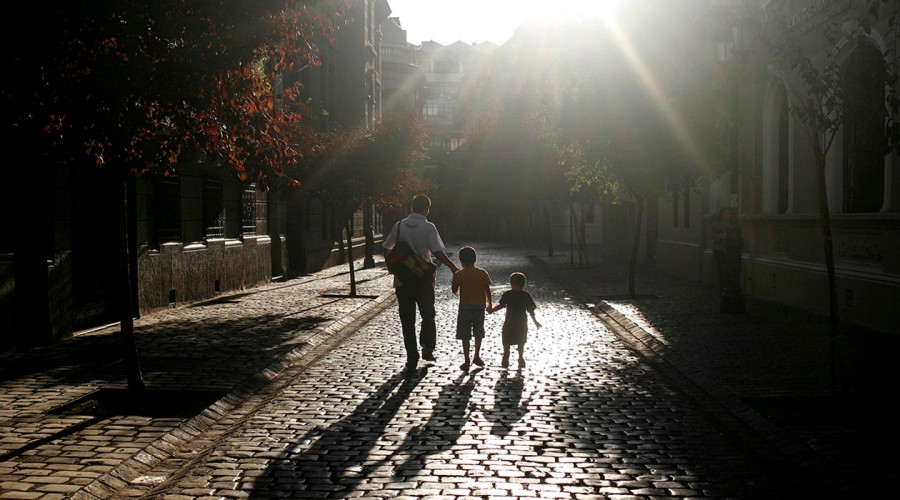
<point>315,406</point>
<point>585,417</point>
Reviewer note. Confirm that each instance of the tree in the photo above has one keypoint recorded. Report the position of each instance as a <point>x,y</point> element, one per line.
<point>586,169</point>
<point>625,130</point>
<point>355,168</point>
<point>128,88</point>
<point>819,98</point>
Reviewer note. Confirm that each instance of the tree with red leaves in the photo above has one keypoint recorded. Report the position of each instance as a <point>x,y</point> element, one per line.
<point>134,85</point>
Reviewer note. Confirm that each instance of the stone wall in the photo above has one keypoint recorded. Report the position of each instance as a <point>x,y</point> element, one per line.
<point>178,274</point>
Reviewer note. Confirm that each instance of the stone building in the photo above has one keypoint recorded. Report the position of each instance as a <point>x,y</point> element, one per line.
<point>346,92</point>
<point>446,68</point>
<point>402,79</point>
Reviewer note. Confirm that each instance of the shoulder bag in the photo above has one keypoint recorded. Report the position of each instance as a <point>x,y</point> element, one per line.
<point>406,265</point>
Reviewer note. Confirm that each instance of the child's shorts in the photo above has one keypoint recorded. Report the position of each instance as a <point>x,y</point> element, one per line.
<point>470,322</point>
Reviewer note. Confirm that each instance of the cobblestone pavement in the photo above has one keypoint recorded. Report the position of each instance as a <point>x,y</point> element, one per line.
<point>586,418</point>
<point>234,344</point>
<point>630,399</point>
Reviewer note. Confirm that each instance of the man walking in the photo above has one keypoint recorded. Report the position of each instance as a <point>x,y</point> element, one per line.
<point>422,236</point>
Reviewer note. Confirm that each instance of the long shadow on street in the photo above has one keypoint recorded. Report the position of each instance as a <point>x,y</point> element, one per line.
<point>586,417</point>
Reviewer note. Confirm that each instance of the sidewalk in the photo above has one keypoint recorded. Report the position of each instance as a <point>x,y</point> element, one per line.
<point>62,428</point>
<point>769,368</point>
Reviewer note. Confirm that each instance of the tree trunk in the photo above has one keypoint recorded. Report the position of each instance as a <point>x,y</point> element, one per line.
<point>582,237</point>
<point>825,219</point>
<point>369,231</point>
<point>126,310</point>
<point>579,228</point>
<point>636,241</point>
<point>548,228</point>
<point>572,248</point>
<point>349,228</point>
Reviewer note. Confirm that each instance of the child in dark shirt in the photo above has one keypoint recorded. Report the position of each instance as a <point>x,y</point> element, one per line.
<point>519,305</point>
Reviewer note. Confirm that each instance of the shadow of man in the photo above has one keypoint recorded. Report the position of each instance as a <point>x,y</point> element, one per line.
<point>443,428</point>
<point>339,457</point>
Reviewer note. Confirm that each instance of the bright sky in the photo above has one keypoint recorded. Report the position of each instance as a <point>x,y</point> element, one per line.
<point>476,21</point>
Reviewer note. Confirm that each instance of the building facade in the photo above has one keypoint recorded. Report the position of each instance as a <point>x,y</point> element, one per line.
<point>402,79</point>
<point>773,178</point>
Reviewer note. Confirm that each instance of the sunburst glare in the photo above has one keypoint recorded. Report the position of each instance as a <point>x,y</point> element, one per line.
<point>476,21</point>
<point>652,86</point>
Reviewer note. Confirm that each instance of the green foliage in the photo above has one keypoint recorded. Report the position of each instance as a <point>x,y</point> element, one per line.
<point>587,170</point>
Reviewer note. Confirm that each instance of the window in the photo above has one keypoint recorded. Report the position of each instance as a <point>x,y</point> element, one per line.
<point>248,210</point>
<point>438,109</point>
<point>687,207</point>
<point>783,154</point>
<point>213,209</point>
<point>675,209</point>
<point>864,131</point>
<point>166,211</point>
<point>443,90</point>
<point>446,66</point>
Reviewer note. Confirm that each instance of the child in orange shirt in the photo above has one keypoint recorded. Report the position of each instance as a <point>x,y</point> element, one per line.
<point>474,287</point>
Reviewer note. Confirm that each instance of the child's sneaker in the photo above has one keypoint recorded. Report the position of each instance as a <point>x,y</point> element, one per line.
<point>505,361</point>
<point>477,361</point>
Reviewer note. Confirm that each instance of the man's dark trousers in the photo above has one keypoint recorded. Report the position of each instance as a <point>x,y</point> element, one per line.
<point>408,298</point>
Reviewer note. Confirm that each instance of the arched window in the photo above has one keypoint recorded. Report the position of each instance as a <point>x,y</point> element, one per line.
<point>783,154</point>
<point>776,178</point>
<point>864,131</point>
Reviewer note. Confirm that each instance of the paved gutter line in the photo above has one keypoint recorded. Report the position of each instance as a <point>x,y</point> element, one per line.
<point>235,408</point>
<point>786,455</point>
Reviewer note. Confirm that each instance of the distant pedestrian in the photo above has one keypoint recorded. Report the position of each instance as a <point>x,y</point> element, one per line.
<point>424,239</point>
<point>519,305</point>
<point>474,287</point>
<point>727,242</point>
